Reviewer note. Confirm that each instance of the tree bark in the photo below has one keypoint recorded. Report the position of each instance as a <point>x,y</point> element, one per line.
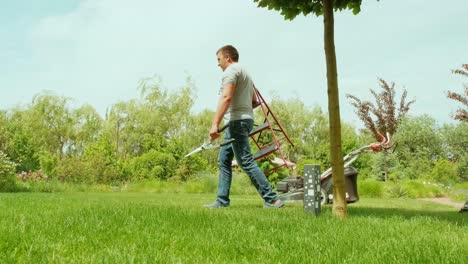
<point>339,194</point>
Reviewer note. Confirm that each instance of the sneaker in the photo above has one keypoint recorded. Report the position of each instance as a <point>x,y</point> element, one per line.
<point>276,204</point>
<point>215,204</point>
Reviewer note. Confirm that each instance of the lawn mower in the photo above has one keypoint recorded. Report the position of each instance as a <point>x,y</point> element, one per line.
<point>292,188</point>
<point>464,208</point>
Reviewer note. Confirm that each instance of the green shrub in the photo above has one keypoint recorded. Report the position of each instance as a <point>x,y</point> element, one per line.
<point>241,184</point>
<point>394,190</point>
<point>48,163</point>
<point>273,175</point>
<point>7,174</point>
<point>458,196</point>
<point>461,186</point>
<point>101,170</point>
<point>153,165</point>
<point>154,186</point>
<point>371,188</point>
<point>194,186</point>
<point>145,186</point>
<point>444,172</point>
<point>208,183</point>
<point>187,168</point>
<point>302,162</point>
<point>201,184</point>
<point>383,165</point>
<point>462,168</point>
<point>418,168</point>
<point>100,159</point>
<point>365,173</point>
<point>421,189</point>
<point>54,185</point>
<point>74,170</point>
<point>43,185</point>
<point>88,171</point>
<point>459,192</point>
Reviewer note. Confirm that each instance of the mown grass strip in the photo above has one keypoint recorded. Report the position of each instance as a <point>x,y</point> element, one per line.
<point>172,228</point>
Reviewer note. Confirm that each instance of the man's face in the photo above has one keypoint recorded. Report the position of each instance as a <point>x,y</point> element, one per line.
<point>223,62</point>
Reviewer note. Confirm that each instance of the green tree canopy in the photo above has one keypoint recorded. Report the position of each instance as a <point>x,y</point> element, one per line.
<point>292,8</point>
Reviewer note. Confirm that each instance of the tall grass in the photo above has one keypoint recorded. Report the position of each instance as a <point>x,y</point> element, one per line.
<point>203,183</point>
<point>173,228</point>
<point>207,184</point>
<point>406,188</point>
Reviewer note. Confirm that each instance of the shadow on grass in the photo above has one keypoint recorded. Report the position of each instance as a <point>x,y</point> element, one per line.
<point>450,215</point>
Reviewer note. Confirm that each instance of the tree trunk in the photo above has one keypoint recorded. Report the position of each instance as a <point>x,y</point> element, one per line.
<point>339,194</point>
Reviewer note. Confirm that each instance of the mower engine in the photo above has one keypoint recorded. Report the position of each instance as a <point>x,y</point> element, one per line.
<point>292,188</point>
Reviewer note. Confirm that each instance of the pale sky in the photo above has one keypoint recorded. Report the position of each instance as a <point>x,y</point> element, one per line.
<point>96,51</point>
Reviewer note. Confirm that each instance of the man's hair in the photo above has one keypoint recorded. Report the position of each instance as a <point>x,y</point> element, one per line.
<point>229,51</point>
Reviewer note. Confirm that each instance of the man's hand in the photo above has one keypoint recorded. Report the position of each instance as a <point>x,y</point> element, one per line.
<point>214,134</point>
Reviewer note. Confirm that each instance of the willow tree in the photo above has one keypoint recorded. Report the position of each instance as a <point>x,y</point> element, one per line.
<point>290,9</point>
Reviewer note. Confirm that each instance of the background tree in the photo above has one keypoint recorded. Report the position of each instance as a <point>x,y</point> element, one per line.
<point>7,173</point>
<point>290,9</point>
<point>306,127</point>
<point>420,146</point>
<point>121,124</point>
<point>3,130</point>
<point>20,146</point>
<point>386,115</point>
<point>455,144</point>
<point>168,114</point>
<point>192,138</point>
<point>427,151</point>
<point>461,114</point>
<point>383,116</point>
<point>87,128</point>
<point>51,122</point>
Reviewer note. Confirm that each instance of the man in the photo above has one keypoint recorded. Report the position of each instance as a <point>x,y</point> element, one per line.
<point>235,106</point>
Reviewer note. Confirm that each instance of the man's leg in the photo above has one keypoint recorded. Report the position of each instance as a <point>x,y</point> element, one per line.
<point>240,130</point>
<point>225,171</point>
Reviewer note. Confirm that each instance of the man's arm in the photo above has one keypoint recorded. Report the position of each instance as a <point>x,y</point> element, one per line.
<point>255,99</point>
<point>223,105</point>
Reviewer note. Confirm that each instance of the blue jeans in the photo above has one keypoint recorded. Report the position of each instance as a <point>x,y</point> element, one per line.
<point>240,149</point>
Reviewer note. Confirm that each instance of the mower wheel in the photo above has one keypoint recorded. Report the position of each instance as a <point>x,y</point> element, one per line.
<point>324,195</point>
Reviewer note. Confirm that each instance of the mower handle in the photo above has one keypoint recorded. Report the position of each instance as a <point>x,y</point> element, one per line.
<point>221,129</point>
<point>383,144</point>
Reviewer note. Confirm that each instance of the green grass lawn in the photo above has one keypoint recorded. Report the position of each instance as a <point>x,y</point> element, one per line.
<point>174,228</point>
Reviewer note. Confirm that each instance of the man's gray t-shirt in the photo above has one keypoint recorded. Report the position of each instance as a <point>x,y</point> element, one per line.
<point>241,105</point>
